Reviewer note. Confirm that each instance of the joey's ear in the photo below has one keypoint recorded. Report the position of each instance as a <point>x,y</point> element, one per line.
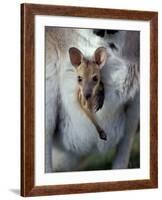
<point>100,56</point>
<point>76,56</point>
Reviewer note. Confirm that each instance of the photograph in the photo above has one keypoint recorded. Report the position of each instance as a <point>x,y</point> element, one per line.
<point>92,96</point>
<point>88,99</point>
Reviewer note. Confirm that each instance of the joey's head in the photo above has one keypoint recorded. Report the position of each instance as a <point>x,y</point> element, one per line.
<point>88,70</point>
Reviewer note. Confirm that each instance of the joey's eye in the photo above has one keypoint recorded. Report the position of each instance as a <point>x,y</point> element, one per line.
<point>95,78</point>
<point>79,79</point>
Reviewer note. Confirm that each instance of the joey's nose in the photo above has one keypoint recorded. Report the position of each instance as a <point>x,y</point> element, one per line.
<point>88,96</point>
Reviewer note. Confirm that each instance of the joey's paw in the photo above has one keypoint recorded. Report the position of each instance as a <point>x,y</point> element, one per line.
<point>103,135</point>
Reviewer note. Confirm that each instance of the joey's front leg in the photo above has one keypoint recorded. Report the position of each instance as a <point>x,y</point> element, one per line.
<point>100,131</point>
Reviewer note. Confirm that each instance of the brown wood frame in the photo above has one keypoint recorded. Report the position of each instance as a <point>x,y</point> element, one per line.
<point>28,12</point>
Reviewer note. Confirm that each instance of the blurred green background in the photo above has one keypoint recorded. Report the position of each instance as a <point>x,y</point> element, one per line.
<point>105,161</point>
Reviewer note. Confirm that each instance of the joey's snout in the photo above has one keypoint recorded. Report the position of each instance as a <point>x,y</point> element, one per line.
<point>87,92</point>
<point>87,96</point>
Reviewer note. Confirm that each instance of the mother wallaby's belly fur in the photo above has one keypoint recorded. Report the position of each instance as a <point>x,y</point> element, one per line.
<point>80,136</point>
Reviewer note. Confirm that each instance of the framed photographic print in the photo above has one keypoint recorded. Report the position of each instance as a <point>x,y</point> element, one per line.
<point>88,99</point>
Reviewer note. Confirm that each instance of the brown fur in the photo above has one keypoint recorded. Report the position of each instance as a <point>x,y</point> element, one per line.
<point>88,72</point>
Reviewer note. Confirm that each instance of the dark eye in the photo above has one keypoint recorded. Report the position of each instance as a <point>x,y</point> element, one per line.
<point>79,79</point>
<point>95,79</point>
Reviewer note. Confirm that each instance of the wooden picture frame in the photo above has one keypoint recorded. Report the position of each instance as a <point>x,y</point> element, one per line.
<point>28,12</point>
